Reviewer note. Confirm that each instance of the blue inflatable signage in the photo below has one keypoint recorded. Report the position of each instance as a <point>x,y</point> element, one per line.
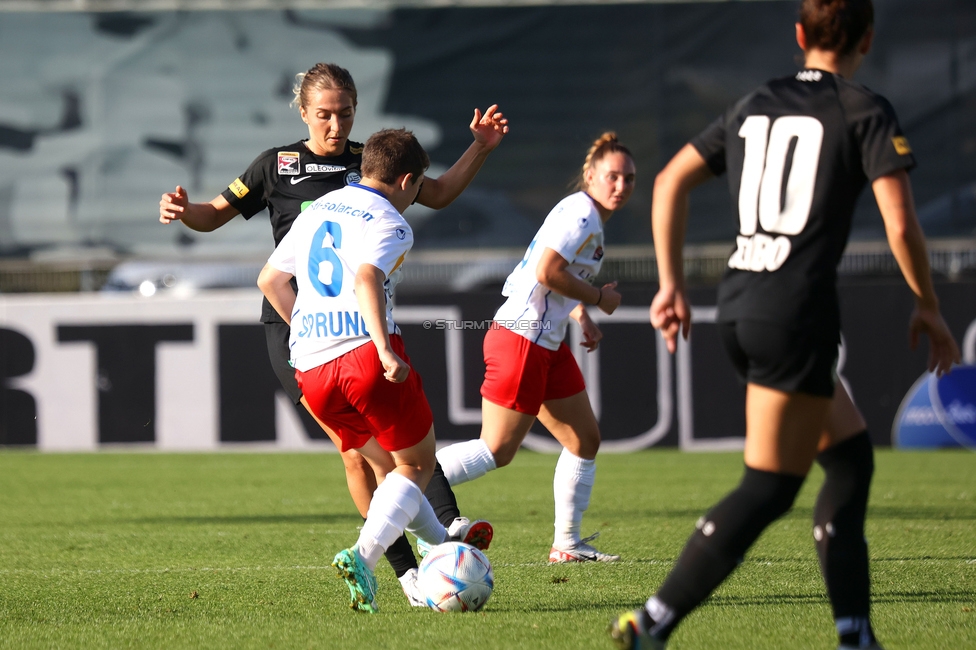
<point>938,412</point>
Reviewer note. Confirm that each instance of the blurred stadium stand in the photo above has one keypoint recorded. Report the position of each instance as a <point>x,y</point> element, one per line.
<point>106,104</point>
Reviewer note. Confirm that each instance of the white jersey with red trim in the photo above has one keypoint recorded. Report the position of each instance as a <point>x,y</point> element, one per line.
<point>575,231</point>
<point>326,245</point>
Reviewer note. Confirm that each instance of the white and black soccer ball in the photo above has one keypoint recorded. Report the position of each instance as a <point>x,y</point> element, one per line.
<point>455,577</point>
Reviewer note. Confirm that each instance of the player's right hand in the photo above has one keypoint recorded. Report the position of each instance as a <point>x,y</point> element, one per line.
<point>609,298</point>
<point>396,369</point>
<point>172,205</point>
<point>670,314</point>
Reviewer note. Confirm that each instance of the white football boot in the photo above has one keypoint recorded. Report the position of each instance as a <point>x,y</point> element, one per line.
<point>411,590</point>
<point>581,552</point>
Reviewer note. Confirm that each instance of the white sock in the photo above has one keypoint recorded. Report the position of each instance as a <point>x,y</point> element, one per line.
<point>426,526</point>
<point>572,485</point>
<point>465,461</point>
<point>395,503</point>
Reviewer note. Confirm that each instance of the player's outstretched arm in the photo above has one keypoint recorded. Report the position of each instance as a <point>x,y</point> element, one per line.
<point>276,286</point>
<point>372,307</point>
<point>488,131</point>
<point>669,217</point>
<point>202,217</point>
<point>893,193</point>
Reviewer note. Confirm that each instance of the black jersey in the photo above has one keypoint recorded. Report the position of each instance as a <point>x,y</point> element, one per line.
<point>798,152</point>
<point>286,180</point>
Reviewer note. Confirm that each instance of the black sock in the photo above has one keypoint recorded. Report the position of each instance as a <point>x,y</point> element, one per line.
<point>441,497</point>
<point>400,555</point>
<point>838,519</point>
<point>722,538</point>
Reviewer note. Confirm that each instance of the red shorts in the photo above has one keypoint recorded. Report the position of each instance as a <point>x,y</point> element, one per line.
<point>521,375</point>
<point>351,395</point>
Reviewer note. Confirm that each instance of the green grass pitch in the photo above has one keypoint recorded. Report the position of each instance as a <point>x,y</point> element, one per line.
<point>146,550</point>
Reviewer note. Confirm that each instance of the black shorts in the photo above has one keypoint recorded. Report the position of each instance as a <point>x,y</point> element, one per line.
<point>277,335</point>
<point>793,360</point>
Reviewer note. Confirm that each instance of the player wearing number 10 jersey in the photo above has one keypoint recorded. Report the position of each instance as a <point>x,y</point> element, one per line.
<point>797,151</point>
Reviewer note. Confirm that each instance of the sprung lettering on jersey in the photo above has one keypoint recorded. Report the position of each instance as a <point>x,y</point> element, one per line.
<point>332,324</point>
<point>760,253</point>
<point>491,324</point>
<point>342,208</point>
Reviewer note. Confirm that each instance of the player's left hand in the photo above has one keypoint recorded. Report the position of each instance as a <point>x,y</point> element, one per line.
<point>489,129</point>
<point>591,333</point>
<point>943,350</point>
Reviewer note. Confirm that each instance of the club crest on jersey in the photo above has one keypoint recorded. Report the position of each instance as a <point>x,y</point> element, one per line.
<point>353,176</point>
<point>598,253</point>
<point>315,168</point>
<point>582,221</point>
<point>401,233</point>
<point>288,163</point>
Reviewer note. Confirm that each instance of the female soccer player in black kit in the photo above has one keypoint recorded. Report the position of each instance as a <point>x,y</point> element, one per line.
<point>287,179</point>
<point>798,151</point>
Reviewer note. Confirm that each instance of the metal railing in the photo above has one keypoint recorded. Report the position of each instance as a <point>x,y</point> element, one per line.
<point>452,270</point>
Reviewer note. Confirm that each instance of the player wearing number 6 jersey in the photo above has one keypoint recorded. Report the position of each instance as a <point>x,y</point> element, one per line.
<point>286,180</point>
<point>798,151</point>
<point>345,251</point>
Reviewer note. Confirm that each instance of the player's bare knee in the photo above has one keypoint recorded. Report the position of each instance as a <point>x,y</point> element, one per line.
<point>355,463</point>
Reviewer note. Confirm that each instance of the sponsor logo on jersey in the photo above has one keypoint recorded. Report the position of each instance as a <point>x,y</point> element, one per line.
<point>355,150</point>
<point>809,75</point>
<point>401,233</point>
<point>288,163</point>
<point>902,148</point>
<point>296,181</point>
<point>315,168</point>
<point>353,176</point>
<point>342,208</point>
<point>598,253</point>
<point>239,189</point>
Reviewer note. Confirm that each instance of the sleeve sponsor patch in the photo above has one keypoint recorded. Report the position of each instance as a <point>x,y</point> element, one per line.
<point>288,163</point>
<point>902,148</point>
<point>239,189</point>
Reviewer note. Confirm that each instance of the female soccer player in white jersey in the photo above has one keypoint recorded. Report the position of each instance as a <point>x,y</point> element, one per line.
<point>285,180</point>
<point>798,151</point>
<point>344,251</point>
<point>530,372</point>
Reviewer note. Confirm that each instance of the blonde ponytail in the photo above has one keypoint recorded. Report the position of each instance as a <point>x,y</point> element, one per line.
<point>607,143</point>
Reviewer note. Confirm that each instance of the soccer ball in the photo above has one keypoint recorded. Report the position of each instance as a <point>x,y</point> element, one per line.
<point>455,577</point>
